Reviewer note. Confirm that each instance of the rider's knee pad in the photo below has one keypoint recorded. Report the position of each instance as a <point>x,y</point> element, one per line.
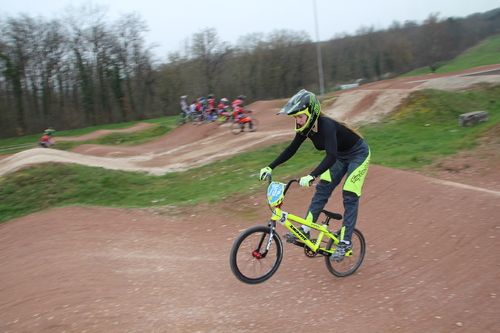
<point>349,194</point>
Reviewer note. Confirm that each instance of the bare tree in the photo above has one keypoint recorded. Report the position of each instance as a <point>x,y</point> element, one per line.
<point>435,42</point>
<point>84,70</point>
<point>134,63</point>
<point>208,52</point>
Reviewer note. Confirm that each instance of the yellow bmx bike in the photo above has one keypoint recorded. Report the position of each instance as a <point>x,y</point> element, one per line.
<point>257,252</point>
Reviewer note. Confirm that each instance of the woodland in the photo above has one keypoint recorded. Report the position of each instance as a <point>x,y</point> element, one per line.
<point>84,70</point>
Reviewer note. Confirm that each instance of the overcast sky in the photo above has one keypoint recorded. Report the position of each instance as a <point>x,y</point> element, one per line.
<point>172,22</point>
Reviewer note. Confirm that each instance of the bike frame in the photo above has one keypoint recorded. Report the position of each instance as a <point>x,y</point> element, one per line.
<point>286,220</point>
<point>186,117</point>
<point>244,120</point>
<point>224,118</point>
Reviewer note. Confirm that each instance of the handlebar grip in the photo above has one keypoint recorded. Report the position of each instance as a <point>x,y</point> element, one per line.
<point>267,176</point>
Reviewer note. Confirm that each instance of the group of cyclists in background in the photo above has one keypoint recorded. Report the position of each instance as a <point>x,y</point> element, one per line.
<point>204,110</point>
<point>201,110</point>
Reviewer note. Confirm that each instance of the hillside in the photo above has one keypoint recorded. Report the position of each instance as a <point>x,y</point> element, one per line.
<point>187,146</point>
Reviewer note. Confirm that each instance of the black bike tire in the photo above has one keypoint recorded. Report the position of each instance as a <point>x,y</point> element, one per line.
<point>191,117</point>
<point>198,119</point>
<point>255,124</point>
<point>222,120</point>
<point>236,128</point>
<point>181,120</point>
<point>236,266</point>
<point>359,246</point>
<point>208,121</point>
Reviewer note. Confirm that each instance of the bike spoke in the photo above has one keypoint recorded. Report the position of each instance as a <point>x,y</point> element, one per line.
<point>250,261</point>
<point>348,264</point>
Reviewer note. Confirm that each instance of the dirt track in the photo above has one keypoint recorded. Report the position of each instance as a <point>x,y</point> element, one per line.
<point>431,265</point>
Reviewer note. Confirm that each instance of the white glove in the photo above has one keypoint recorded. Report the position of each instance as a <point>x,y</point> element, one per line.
<point>264,172</point>
<point>306,180</point>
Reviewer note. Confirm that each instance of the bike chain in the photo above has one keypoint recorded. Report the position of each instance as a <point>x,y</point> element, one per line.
<point>308,252</point>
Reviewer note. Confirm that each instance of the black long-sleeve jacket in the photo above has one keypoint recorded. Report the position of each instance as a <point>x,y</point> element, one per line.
<point>331,136</point>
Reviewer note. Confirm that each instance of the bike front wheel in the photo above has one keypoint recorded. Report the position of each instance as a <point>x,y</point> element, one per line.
<point>198,119</point>
<point>254,257</point>
<point>255,124</point>
<point>181,120</point>
<point>237,127</point>
<point>222,120</point>
<point>348,264</point>
<point>240,126</point>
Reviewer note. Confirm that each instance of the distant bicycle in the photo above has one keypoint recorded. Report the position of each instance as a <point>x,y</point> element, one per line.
<point>247,123</point>
<point>225,117</point>
<point>198,118</point>
<point>210,118</point>
<point>186,117</point>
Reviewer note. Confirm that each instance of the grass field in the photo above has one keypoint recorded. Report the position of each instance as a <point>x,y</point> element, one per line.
<point>486,52</point>
<point>139,137</point>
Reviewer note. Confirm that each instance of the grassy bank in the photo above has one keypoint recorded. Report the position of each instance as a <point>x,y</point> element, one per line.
<point>485,53</point>
<point>51,185</point>
<point>421,131</point>
<point>124,138</point>
<point>426,127</point>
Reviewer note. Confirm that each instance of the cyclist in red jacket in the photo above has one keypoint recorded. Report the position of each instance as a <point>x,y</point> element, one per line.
<point>239,112</point>
<point>46,141</point>
<point>223,111</point>
<point>240,100</point>
<point>211,105</point>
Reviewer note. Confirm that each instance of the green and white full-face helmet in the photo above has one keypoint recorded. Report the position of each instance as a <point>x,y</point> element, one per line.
<point>303,102</point>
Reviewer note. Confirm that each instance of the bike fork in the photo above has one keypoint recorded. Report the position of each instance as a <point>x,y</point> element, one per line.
<point>257,253</point>
<point>270,240</point>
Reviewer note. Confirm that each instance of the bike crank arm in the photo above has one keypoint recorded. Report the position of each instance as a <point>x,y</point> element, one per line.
<point>310,253</point>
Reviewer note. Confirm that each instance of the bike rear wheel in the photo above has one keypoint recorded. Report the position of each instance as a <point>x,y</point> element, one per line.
<point>198,119</point>
<point>192,116</point>
<point>181,120</point>
<point>255,124</point>
<point>249,260</point>
<point>222,120</point>
<point>209,119</point>
<point>238,127</point>
<point>347,265</point>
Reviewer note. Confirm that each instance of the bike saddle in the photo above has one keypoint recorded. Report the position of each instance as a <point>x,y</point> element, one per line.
<point>331,215</point>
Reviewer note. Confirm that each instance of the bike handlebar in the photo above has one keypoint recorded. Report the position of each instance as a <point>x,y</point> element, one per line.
<point>290,183</point>
<point>270,179</point>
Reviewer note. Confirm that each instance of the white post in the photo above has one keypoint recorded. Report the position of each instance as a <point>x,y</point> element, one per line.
<point>318,47</point>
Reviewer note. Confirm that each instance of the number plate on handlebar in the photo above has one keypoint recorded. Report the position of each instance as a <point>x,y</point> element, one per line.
<point>283,218</point>
<point>275,193</point>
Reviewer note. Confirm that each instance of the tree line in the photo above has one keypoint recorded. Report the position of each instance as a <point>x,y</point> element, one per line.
<point>83,70</point>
